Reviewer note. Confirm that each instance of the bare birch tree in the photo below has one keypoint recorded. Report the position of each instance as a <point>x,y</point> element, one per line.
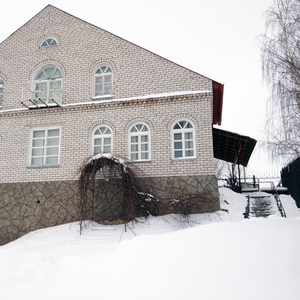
<point>281,69</point>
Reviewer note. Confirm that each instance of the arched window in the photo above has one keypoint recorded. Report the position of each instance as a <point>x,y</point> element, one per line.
<point>103,81</point>
<point>1,92</point>
<point>183,139</point>
<point>49,42</point>
<point>139,142</point>
<point>102,139</point>
<point>48,83</point>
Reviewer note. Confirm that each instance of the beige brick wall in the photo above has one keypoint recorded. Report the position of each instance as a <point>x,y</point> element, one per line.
<point>82,46</point>
<point>33,198</point>
<point>77,123</point>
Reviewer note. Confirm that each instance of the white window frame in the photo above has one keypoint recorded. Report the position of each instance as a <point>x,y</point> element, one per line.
<point>139,143</point>
<point>49,41</point>
<point>102,137</point>
<point>95,76</point>
<point>183,140</point>
<point>1,92</point>
<point>45,146</point>
<point>47,81</point>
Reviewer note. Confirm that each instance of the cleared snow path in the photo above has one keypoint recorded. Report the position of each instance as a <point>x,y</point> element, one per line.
<point>262,207</point>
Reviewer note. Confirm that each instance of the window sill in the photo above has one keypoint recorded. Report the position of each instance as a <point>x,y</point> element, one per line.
<point>184,158</point>
<point>43,167</point>
<point>43,106</point>
<point>140,161</point>
<point>102,97</point>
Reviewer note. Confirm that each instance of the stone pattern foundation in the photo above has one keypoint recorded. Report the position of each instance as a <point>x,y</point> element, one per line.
<point>29,206</point>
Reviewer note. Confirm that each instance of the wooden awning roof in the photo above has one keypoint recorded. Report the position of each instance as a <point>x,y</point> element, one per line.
<point>232,147</point>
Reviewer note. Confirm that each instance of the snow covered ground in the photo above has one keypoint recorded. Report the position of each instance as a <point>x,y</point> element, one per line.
<point>212,256</point>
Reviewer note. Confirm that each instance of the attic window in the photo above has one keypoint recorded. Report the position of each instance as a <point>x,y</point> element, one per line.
<point>103,82</point>
<point>49,42</point>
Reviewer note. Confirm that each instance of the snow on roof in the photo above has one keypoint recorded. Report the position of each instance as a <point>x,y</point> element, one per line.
<point>152,96</point>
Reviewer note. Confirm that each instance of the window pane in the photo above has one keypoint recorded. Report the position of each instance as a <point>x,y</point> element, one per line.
<point>41,75</point>
<point>52,141</point>
<point>134,139</point>
<point>189,153</point>
<point>182,123</point>
<point>133,129</point>
<point>102,129</point>
<point>107,141</point>
<point>107,131</point>
<point>53,132</point>
<point>39,133</point>
<point>55,85</point>
<point>103,68</point>
<point>49,71</point>
<point>144,155</point>
<point>144,147</point>
<point>106,149</point>
<point>189,145</point>
<point>52,151</point>
<point>176,126</point>
<point>107,89</point>
<point>57,74</point>
<point>97,150</point>
<point>99,80</point>
<point>97,132</point>
<point>107,78</point>
<point>134,156</point>
<point>51,160</point>
<point>38,143</point>
<point>97,142</point>
<point>188,125</point>
<point>145,128</point>
<point>177,136</point>
<point>38,152</point>
<point>178,154</point>
<point>37,161</point>
<point>144,138</point>
<point>134,148</point>
<point>188,135</point>
<point>178,145</point>
<point>41,86</point>
<point>139,126</point>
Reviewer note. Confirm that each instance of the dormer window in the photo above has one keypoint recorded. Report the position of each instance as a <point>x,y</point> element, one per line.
<point>103,82</point>
<point>1,92</point>
<point>49,42</point>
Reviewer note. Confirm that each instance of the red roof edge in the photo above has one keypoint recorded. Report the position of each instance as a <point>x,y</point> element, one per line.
<point>218,90</point>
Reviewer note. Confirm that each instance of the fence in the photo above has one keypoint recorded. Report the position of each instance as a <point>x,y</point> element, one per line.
<point>290,177</point>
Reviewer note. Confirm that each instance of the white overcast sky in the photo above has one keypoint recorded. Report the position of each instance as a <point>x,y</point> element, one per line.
<point>215,38</point>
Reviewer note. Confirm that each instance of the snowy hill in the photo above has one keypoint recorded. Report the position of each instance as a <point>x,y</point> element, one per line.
<point>211,256</point>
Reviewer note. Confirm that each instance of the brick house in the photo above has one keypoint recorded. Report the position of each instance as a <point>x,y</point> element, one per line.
<point>69,89</point>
